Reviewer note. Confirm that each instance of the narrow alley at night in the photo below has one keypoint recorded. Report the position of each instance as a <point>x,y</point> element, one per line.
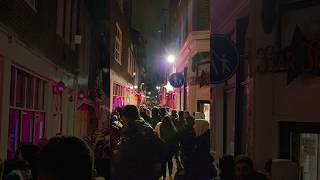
<point>159,90</point>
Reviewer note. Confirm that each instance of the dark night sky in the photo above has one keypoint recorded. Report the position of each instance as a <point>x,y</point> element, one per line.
<point>148,17</point>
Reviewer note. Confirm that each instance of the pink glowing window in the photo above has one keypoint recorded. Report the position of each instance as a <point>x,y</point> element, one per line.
<point>39,127</point>
<point>26,127</point>
<point>13,134</point>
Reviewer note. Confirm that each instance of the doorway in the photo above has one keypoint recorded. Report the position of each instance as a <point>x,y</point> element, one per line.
<point>300,142</point>
<point>204,107</point>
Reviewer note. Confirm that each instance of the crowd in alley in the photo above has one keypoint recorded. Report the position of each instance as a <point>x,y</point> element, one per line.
<point>140,144</point>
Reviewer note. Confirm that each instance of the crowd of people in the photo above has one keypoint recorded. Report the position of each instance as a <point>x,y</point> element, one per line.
<point>141,144</point>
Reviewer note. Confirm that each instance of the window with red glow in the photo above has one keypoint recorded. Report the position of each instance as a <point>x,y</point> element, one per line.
<point>27,109</point>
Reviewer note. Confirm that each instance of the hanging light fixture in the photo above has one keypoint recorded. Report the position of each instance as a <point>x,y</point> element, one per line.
<point>59,87</point>
<point>81,95</point>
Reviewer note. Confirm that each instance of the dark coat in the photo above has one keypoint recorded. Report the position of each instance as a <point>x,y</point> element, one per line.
<point>138,155</point>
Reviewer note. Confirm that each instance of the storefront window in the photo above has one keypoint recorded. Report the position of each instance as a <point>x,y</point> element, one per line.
<point>39,127</point>
<point>13,135</point>
<point>118,96</point>
<point>27,110</point>
<point>26,127</point>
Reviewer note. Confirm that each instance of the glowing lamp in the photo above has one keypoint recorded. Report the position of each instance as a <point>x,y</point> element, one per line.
<point>81,95</point>
<point>60,87</point>
<point>171,59</point>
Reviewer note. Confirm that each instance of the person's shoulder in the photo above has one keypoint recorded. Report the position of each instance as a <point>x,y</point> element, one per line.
<point>260,176</point>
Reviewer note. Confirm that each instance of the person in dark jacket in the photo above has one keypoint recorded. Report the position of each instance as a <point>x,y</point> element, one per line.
<point>226,166</point>
<point>244,169</point>
<point>181,122</point>
<point>187,141</point>
<point>29,152</point>
<point>200,166</point>
<point>155,117</point>
<point>168,134</point>
<point>138,155</point>
<point>17,169</point>
<point>174,117</point>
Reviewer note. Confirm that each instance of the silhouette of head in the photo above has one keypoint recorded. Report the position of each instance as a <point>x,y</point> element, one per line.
<point>130,113</point>
<point>64,158</point>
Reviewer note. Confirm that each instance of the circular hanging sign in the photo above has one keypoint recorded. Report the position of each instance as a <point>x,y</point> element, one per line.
<point>176,80</point>
<point>224,58</point>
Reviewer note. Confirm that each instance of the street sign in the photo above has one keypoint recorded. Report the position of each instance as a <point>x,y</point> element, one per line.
<point>176,80</point>
<point>224,58</point>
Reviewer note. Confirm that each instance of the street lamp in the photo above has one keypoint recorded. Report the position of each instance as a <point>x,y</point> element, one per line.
<point>171,59</point>
<point>158,87</point>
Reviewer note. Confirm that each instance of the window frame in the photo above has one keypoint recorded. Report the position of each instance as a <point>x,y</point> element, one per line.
<point>131,61</point>
<point>118,44</point>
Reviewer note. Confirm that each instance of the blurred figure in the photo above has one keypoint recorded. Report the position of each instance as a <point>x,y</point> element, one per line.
<point>29,152</point>
<point>42,142</point>
<point>149,115</point>
<point>65,158</point>
<point>163,112</point>
<point>155,117</point>
<point>139,154</point>
<point>200,166</point>
<point>145,117</point>
<point>119,111</point>
<point>174,117</point>
<point>201,125</point>
<point>226,166</point>
<point>116,128</point>
<point>186,114</point>
<point>181,122</point>
<point>244,169</point>
<point>17,170</point>
<point>187,140</point>
<point>102,164</point>
<point>168,134</point>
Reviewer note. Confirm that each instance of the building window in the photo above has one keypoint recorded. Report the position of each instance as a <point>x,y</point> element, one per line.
<point>118,44</point>
<point>27,109</point>
<point>118,96</point>
<point>131,61</point>
<point>31,3</point>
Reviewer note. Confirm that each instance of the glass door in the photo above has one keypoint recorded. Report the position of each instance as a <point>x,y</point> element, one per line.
<point>309,156</point>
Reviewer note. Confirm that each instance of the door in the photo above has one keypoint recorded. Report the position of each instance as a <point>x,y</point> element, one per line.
<point>204,107</point>
<point>300,142</point>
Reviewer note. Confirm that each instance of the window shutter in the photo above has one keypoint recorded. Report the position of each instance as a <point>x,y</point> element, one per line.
<point>201,15</point>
